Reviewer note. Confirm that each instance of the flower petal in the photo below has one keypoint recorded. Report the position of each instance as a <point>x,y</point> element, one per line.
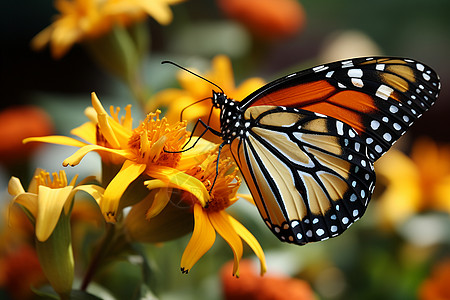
<point>247,87</point>
<point>56,139</point>
<point>75,158</point>
<point>87,132</point>
<point>223,72</point>
<point>111,198</point>
<point>250,240</point>
<point>103,122</point>
<point>29,201</point>
<point>15,187</point>
<point>50,205</point>
<point>197,154</point>
<point>222,224</point>
<point>160,201</point>
<point>94,190</point>
<point>180,180</point>
<point>201,241</point>
<point>42,38</point>
<point>246,197</point>
<point>159,10</point>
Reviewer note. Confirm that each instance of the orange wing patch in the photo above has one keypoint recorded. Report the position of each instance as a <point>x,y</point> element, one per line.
<point>347,106</point>
<point>303,93</point>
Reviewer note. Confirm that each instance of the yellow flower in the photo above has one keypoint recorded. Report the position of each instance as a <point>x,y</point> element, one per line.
<point>416,183</point>
<point>47,197</point>
<point>48,204</point>
<point>195,89</point>
<point>153,149</point>
<point>80,20</point>
<point>211,217</point>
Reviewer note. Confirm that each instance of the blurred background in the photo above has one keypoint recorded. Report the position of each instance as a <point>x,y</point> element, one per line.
<point>378,257</point>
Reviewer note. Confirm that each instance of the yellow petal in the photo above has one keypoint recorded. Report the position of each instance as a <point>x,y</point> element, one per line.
<point>103,122</point>
<point>223,72</point>
<point>247,87</point>
<point>441,195</point>
<point>201,241</point>
<point>402,198</point>
<point>87,131</point>
<point>50,205</point>
<point>160,201</point>
<point>29,201</point>
<point>42,38</point>
<point>15,186</point>
<point>221,223</point>
<point>182,181</point>
<point>121,132</point>
<point>197,154</point>
<point>94,190</point>
<point>250,240</point>
<point>164,98</point>
<point>75,158</point>
<point>56,139</point>
<point>110,202</point>
<point>247,197</point>
<point>160,11</point>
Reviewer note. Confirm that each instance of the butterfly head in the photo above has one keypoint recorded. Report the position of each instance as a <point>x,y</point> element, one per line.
<point>219,99</point>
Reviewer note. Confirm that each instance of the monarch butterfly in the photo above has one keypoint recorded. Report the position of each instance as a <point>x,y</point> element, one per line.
<point>306,143</point>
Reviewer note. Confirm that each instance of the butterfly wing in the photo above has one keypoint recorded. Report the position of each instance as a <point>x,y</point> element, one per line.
<point>311,139</point>
<point>378,97</point>
<point>309,174</point>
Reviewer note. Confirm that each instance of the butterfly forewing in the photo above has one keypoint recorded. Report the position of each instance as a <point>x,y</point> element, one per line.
<point>379,97</point>
<point>309,174</point>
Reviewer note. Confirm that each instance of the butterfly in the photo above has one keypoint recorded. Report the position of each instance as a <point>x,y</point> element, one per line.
<point>306,143</point>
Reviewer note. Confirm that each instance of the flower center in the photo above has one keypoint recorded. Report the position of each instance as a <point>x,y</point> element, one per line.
<point>223,193</point>
<point>157,142</point>
<point>58,180</point>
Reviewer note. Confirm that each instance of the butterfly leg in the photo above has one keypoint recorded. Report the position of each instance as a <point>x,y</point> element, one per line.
<point>217,166</point>
<point>207,128</point>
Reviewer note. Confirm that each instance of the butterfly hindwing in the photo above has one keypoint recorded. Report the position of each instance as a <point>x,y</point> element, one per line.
<point>309,174</point>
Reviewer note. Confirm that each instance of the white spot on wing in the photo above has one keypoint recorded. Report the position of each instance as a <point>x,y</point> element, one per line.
<point>384,92</point>
<point>357,82</point>
<point>340,128</point>
<point>358,73</point>
<point>380,67</point>
<point>320,68</point>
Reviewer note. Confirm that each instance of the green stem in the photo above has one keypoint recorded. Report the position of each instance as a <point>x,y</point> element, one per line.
<point>136,87</point>
<point>99,256</point>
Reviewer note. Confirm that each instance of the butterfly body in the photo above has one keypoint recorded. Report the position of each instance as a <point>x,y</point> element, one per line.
<point>306,143</point>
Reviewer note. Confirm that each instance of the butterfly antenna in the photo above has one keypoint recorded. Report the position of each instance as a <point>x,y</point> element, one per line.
<point>196,102</point>
<point>189,71</point>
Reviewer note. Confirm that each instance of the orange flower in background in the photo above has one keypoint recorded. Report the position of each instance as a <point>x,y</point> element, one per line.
<point>79,20</point>
<point>195,89</point>
<point>268,19</point>
<point>17,123</point>
<point>20,269</point>
<point>416,183</point>
<point>251,286</point>
<point>437,287</point>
